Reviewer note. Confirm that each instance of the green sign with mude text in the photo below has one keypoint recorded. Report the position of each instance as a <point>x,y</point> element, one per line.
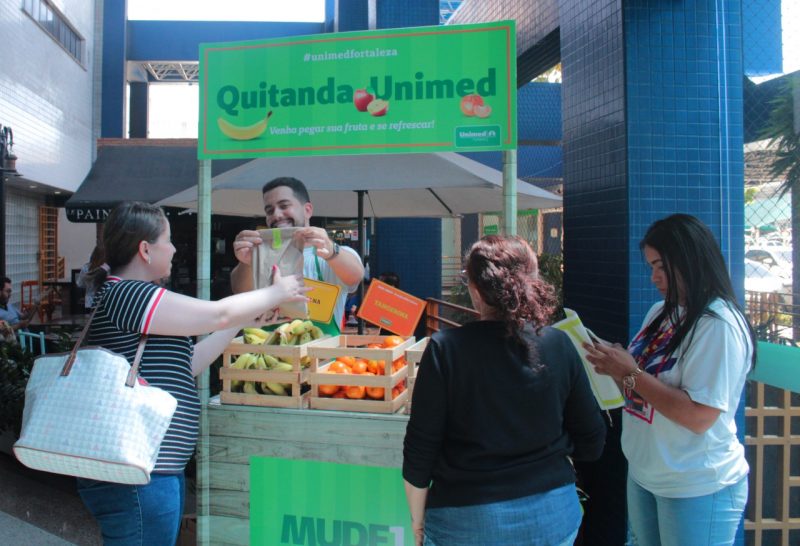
<point>421,89</point>
<point>312,503</point>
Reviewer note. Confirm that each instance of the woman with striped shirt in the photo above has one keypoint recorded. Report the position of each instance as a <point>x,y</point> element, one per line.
<point>130,304</point>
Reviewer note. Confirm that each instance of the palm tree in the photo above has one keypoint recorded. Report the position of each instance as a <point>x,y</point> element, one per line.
<point>783,130</point>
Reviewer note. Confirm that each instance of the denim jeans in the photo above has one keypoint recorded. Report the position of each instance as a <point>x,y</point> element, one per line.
<point>710,520</point>
<point>136,515</point>
<point>551,518</point>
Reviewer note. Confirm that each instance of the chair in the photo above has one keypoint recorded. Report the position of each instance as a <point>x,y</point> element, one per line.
<point>27,341</point>
<point>26,295</point>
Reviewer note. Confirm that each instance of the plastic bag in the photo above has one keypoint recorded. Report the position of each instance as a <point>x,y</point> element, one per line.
<point>280,247</point>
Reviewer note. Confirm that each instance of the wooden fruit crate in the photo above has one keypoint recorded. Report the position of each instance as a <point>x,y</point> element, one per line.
<point>413,358</point>
<point>324,351</point>
<point>296,377</point>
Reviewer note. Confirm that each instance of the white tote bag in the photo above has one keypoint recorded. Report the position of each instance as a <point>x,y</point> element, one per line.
<point>87,414</point>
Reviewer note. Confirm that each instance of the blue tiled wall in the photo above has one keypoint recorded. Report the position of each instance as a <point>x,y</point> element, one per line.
<point>595,175</point>
<point>353,15</point>
<point>413,250</point>
<point>407,13</point>
<point>685,128</point>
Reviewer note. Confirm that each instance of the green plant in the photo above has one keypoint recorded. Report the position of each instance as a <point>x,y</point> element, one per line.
<point>15,368</point>
<point>551,269</point>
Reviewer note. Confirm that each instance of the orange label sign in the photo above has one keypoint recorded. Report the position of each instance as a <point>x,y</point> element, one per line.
<point>391,309</point>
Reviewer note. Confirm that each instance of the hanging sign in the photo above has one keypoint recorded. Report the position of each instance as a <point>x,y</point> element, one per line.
<point>421,89</point>
<point>322,299</point>
<point>391,309</point>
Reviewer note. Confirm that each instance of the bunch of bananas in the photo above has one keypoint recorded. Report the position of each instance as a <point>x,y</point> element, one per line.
<point>252,361</point>
<point>296,332</point>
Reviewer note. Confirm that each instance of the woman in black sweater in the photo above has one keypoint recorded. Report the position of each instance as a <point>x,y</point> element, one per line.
<point>500,405</point>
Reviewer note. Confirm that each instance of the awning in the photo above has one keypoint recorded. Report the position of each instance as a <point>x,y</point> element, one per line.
<point>138,170</point>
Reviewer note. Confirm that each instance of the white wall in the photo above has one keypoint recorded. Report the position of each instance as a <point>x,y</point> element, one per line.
<point>46,96</point>
<point>75,242</point>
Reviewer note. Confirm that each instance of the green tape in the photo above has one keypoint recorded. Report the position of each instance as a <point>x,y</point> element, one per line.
<point>276,238</point>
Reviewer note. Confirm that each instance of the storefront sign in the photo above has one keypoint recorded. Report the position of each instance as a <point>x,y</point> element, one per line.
<point>87,214</point>
<point>421,89</point>
<point>322,300</point>
<point>312,503</point>
<point>391,309</point>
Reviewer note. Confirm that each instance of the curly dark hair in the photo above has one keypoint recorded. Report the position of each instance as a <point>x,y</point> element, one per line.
<point>505,272</point>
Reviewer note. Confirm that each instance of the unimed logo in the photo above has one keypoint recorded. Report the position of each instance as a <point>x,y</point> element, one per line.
<point>308,531</point>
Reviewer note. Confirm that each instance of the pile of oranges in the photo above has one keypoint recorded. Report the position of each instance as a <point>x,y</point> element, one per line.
<point>361,366</point>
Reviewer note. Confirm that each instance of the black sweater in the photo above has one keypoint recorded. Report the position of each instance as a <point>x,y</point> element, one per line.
<point>487,427</point>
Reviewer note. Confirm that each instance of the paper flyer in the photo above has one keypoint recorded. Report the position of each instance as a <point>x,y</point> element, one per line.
<point>604,388</point>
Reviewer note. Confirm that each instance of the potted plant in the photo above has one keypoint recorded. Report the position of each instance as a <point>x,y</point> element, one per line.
<point>15,368</point>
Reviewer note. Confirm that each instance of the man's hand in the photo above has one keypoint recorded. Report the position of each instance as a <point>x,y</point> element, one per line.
<point>318,238</point>
<point>246,240</point>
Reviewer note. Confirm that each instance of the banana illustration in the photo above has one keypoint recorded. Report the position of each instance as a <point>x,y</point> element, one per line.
<point>248,132</point>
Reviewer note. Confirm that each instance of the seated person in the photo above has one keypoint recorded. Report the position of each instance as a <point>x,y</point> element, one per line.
<point>16,319</point>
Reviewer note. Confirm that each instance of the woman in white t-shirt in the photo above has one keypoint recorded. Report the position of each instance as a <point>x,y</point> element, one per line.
<point>682,376</point>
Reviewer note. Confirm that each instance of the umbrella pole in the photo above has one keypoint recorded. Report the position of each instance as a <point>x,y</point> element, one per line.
<point>510,192</point>
<point>362,249</point>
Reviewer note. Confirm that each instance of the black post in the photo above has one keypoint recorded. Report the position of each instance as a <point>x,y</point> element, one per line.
<point>362,249</point>
<point>3,145</point>
<point>2,219</point>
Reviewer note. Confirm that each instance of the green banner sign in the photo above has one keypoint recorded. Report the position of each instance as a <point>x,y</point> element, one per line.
<point>312,503</point>
<point>421,89</point>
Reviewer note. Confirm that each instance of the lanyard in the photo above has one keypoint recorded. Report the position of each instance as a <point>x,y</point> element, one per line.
<point>661,339</point>
<point>319,269</point>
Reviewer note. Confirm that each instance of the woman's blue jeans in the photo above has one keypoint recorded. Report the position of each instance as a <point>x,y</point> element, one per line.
<point>136,515</point>
<point>710,520</point>
<point>551,518</point>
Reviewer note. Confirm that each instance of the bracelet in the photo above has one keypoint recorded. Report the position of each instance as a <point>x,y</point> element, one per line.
<point>629,381</point>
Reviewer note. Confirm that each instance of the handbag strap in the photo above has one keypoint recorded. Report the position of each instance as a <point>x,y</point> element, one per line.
<point>131,379</point>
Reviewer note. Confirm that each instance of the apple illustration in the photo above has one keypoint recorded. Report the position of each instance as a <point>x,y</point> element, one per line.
<point>482,110</point>
<point>469,102</point>
<point>378,107</point>
<point>361,99</point>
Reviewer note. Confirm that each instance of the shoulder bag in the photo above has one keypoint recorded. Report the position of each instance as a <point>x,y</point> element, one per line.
<point>88,414</point>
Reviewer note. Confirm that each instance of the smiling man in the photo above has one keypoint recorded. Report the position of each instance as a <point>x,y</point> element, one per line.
<point>287,204</point>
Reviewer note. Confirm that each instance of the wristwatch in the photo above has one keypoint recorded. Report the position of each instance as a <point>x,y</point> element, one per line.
<point>334,252</point>
<point>629,381</point>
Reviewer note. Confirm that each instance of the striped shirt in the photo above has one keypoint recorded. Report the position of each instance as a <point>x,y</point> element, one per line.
<point>125,310</point>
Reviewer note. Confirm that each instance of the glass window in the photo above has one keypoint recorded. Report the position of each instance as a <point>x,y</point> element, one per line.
<point>55,24</point>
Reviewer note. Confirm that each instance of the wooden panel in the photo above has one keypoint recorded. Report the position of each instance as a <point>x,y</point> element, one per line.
<point>230,476</point>
<point>763,500</point>
<point>229,531</point>
<point>374,430</point>
<point>229,503</point>
<point>239,451</point>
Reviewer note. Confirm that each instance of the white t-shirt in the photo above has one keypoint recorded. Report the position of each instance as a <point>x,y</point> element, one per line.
<point>668,459</point>
<point>310,271</point>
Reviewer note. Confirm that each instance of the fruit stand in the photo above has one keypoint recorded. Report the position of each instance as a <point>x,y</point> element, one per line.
<point>245,422</point>
<point>237,433</point>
